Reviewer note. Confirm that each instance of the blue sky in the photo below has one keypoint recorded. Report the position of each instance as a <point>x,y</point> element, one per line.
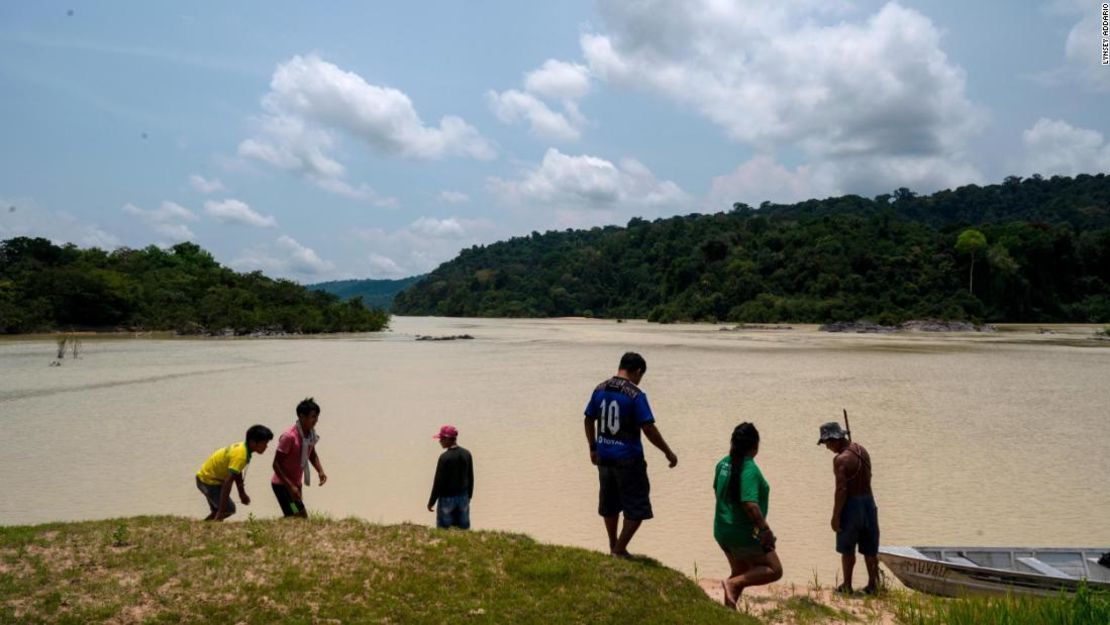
<point>320,141</point>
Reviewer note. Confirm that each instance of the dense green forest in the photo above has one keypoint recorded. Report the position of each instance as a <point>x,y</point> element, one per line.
<point>46,287</point>
<point>375,293</point>
<point>1038,250</point>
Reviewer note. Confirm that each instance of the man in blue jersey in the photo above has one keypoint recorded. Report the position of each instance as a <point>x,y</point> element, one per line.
<point>618,411</point>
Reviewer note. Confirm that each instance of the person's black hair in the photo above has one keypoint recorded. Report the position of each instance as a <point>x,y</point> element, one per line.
<point>633,362</point>
<point>744,438</point>
<point>259,433</point>
<point>307,407</point>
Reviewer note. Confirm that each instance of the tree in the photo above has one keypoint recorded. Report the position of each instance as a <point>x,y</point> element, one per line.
<point>970,242</point>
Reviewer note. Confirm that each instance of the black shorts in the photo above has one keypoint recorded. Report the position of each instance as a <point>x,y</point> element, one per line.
<point>859,526</point>
<point>289,506</point>
<point>624,488</point>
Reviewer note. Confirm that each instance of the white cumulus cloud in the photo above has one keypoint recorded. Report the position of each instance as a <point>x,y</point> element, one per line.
<point>24,217</point>
<point>1083,47</point>
<point>205,186</point>
<point>238,212</point>
<point>422,245</point>
<point>877,94</point>
<point>453,197</point>
<point>166,220</point>
<point>1055,147</point>
<point>586,190</point>
<point>287,258</point>
<point>559,80</point>
<point>311,101</point>
<point>513,106</point>
<point>555,80</point>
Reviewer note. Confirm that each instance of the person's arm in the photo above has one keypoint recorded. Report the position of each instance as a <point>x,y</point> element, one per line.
<point>315,460</point>
<point>243,497</point>
<point>653,435</point>
<point>591,439</point>
<point>435,485</point>
<point>294,492</point>
<point>840,469</point>
<point>470,475</point>
<point>766,536</point>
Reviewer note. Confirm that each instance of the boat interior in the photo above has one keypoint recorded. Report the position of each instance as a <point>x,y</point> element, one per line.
<point>1061,563</point>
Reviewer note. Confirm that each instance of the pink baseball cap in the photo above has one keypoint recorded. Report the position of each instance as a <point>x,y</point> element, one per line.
<point>447,431</point>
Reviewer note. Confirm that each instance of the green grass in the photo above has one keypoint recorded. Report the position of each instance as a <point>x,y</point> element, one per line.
<point>1083,608</point>
<point>172,570</point>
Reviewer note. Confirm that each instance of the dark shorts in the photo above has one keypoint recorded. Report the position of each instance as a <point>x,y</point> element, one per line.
<point>289,506</point>
<point>859,526</point>
<point>212,495</point>
<point>744,551</point>
<point>624,488</point>
<point>453,512</point>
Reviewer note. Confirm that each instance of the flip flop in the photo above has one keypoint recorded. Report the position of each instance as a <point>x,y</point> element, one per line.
<point>730,601</point>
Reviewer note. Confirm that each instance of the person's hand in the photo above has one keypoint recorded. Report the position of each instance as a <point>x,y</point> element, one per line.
<point>593,456</point>
<point>672,459</point>
<point>767,540</point>
<point>295,493</point>
<point>431,508</point>
<point>323,478</point>
<point>245,499</point>
<point>835,524</point>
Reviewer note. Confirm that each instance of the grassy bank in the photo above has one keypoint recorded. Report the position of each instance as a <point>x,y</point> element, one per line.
<point>171,570</point>
<point>1082,608</point>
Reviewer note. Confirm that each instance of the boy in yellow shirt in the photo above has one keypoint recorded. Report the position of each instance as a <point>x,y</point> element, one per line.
<point>226,466</point>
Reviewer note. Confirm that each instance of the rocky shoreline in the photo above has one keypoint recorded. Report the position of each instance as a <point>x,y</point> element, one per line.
<point>864,326</point>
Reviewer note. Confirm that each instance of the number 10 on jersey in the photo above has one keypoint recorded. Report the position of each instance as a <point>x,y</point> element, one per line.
<point>609,418</point>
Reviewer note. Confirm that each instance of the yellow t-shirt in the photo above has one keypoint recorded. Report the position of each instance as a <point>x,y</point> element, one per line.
<point>223,462</point>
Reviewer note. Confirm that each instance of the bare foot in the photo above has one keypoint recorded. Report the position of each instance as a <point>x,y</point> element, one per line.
<point>730,599</point>
<point>621,554</point>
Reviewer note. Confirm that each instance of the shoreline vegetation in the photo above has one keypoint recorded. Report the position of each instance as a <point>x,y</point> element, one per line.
<point>179,570</point>
<point>1033,250</point>
<point>50,288</point>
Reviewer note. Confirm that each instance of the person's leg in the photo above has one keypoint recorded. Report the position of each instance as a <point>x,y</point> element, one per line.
<point>848,539</point>
<point>737,567</point>
<point>872,563</point>
<point>869,547</point>
<point>847,563</point>
<point>462,513</point>
<point>627,532</point>
<point>281,493</point>
<point>762,569</point>
<point>229,509</point>
<point>212,504</point>
<point>444,513</point>
<point>608,502</point>
<point>611,524</point>
<point>635,501</point>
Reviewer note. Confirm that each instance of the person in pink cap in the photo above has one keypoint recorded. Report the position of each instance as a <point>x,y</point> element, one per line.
<point>453,487</point>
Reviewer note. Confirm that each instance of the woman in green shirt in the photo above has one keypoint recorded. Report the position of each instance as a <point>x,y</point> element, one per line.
<point>740,523</point>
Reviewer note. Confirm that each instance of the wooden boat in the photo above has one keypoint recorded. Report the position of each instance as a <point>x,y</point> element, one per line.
<point>957,571</point>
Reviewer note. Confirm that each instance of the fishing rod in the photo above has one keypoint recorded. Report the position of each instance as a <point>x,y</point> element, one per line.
<point>847,428</point>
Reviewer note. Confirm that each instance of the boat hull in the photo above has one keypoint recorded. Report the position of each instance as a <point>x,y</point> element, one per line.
<point>938,576</point>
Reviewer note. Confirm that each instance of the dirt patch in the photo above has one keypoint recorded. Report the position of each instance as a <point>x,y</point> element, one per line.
<point>785,604</point>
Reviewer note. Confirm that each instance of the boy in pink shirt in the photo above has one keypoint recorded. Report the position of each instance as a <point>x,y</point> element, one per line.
<point>296,450</point>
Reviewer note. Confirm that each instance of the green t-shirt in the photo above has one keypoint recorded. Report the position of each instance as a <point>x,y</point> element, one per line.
<point>731,525</point>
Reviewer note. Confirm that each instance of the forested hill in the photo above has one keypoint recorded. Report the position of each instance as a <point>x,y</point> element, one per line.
<point>1043,256</point>
<point>44,287</point>
<point>375,293</point>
